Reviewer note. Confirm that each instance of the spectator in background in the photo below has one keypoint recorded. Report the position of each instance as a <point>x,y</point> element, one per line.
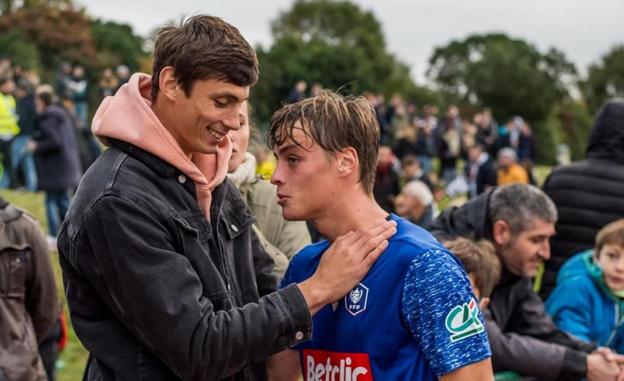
<point>56,157</point>
<point>386,179</point>
<point>416,204</point>
<point>21,158</point>
<point>80,96</point>
<point>316,89</point>
<point>588,300</point>
<point>8,127</point>
<point>28,298</point>
<point>481,264</point>
<point>123,75</point>
<point>487,132</point>
<point>62,82</point>
<point>588,193</point>
<point>509,171</point>
<point>480,171</point>
<point>519,219</point>
<point>377,101</point>
<point>411,170</point>
<point>297,93</point>
<point>281,239</point>
<point>108,83</point>
<point>448,138</point>
<point>426,127</point>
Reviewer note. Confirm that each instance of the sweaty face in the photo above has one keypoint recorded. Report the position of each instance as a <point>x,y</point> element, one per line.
<point>523,253</point>
<point>206,115</point>
<point>305,176</point>
<point>240,139</point>
<point>611,261</point>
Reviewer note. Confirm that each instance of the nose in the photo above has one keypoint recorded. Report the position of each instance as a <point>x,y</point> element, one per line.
<point>619,265</point>
<point>544,251</point>
<point>277,176</point>
<point>232,120</point>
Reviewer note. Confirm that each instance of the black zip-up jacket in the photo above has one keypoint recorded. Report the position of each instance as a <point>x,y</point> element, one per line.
<point>522,336</point>
<point>589,193</point>
<point>156,291</point>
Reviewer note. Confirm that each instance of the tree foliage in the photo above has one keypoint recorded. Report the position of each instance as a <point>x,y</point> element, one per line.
<point>605,79</point>
<point>509,75</point>
<point>334,43</point>
<point>117,44</point>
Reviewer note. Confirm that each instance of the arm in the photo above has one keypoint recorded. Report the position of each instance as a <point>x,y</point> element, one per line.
<point>284,366</point>
<point>533,357</point>
<point>42,300</point>
<point>570,311</point>
<point>480,371</point>
<point>150,289</point>
<point>441,312</point>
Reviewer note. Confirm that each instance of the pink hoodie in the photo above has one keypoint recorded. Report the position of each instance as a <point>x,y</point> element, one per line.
<point>128,116</point>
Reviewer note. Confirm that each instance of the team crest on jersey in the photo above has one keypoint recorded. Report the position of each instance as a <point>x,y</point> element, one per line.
<point>355,301</point>
<point>463,321</point>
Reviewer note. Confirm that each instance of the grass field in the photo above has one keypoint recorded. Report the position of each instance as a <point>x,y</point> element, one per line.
<point>71,362</point>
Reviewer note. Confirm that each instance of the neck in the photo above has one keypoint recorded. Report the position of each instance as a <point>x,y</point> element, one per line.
<point>356,210</point>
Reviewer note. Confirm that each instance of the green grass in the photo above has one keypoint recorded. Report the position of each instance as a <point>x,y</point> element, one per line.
<point>72,360</point>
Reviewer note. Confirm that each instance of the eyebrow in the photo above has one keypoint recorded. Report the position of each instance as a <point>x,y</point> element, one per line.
<point>287,148</point>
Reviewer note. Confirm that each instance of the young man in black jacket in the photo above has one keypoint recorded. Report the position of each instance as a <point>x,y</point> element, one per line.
<point>519,220</point>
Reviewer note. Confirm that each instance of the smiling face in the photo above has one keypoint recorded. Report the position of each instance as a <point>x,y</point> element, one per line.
<point>204,117</point>
<point>523,253</point>
<point>306,177</point>
<point>611,261</point>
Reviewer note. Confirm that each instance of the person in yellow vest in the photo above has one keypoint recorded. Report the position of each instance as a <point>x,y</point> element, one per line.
<point>8,126</point>
<point>509,171</point>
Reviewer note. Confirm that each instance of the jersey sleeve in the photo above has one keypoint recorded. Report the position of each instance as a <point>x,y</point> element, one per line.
<point>442,313</point>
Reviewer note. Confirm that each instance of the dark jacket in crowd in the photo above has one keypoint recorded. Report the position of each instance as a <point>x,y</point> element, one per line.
<point>386,187</point>
<point>29,303</point>
<point>25,109</point>
<point>522,336</point>
<point>589,193</point>
<point>161,296</point>
<point>56,155</point>
<point>486,177</point>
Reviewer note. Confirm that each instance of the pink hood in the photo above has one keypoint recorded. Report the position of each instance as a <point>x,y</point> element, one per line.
<point>128,116</point>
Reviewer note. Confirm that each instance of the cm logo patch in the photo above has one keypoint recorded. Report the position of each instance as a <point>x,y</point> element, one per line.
<point>463,321</point>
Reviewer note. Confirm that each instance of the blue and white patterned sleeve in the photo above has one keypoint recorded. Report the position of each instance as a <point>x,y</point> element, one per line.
<point>442,312</point>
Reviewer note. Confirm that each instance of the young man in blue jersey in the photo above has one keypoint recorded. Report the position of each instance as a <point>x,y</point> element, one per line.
<point>414,316</point>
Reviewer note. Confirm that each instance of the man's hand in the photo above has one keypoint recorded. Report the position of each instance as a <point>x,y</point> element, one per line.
<point>345,263</point>
<point>601,369</point>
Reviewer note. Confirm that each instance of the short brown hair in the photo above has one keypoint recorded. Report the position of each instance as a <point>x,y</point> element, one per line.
<point>334,122</point>
<point>204,47</point>
<point>611,234</point>
<point>478,258</point>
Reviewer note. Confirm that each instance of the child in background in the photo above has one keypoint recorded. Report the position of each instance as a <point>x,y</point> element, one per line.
<point>481,264</point>
<point>588,301</point>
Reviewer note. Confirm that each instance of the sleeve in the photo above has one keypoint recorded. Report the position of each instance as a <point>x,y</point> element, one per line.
<point>568,306</point>
<point>43,302</point>
<point>531,319</point>
<point>443,314</point>
<point>533,357</point>
<point>158,296</point>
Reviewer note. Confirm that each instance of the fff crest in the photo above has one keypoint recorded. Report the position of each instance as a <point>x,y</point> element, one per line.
<point>356,300</point>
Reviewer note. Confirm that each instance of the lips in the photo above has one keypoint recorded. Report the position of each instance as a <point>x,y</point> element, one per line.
<point>216,135</point>
<point>281,199</point>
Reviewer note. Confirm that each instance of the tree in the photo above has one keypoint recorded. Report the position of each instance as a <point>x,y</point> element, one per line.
<point>117,44</point>
<point>334,43</point>
<point>605,79</point>
<point>509,75</point>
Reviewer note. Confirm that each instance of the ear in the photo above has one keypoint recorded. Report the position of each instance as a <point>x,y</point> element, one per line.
<point>501,233</point>
<point>168,84</point>
<point>347,161</point>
